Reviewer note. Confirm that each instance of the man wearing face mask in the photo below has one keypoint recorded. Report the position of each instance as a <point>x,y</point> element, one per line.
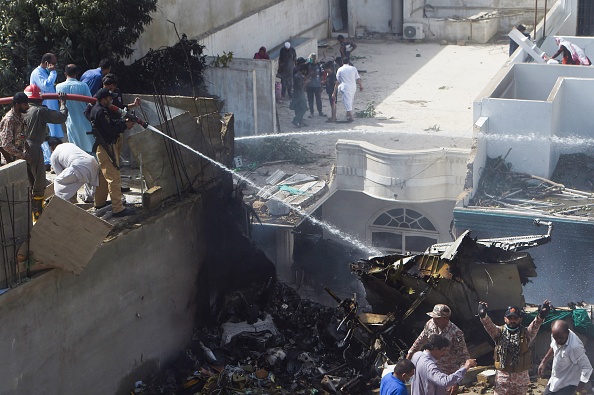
<point>107,130</point>
<point>395,383</point>
<point>512,355</point>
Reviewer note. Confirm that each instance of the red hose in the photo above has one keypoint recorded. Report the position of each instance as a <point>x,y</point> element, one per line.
<point>50,96</point>
<point>54,96</point>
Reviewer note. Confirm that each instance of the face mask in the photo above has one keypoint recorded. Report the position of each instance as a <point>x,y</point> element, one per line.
<point>512,327</point>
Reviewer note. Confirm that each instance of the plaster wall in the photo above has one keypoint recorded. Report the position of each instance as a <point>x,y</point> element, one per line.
<point>240,27</point>
<point>201,18</point>
<point>439,24</point>
<point>374,15</point>
<point>270,27</point>
<point>13,180</point>
<point>524,126</point>
<point>129,312</point>
<point>412,176</point>
<point>573,105</point>
<point>354,211</point>
<point>247,89</point>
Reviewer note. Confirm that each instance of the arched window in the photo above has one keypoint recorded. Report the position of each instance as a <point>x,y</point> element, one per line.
<point>401,230</point>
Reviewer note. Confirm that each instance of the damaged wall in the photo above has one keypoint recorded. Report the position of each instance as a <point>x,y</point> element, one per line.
<point>14,195</point>
<point>130,311</point>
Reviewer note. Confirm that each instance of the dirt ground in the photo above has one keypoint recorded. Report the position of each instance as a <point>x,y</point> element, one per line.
<point>422,92</point>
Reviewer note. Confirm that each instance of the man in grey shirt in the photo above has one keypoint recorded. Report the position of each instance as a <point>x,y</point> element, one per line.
<point>428,379</point>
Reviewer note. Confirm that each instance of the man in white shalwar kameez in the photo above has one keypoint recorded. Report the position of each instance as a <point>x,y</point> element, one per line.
<point>74,168</point>
<point>347,79</point>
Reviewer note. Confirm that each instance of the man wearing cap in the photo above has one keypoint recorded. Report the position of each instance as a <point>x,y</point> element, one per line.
<point>512,355</point>
<point>286,63</point>
<point>571,368</point>
<point>440,324</point>
<point>107,130</point>
<point>37,118</point>
<point>13,128</point>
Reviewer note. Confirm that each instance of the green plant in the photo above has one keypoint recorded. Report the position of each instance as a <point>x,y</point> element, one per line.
<point>77,31</point>
<point>369,112</point>
<point>222,60</point>
<point>274,149</point>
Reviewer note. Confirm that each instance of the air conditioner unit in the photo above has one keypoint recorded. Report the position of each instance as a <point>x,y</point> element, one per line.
<point>413,31</point>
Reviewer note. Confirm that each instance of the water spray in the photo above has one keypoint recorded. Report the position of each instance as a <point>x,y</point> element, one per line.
<point>131,117</point>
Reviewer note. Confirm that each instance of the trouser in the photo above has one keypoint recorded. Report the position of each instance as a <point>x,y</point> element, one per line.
<point>569,390</point>
<point>317,92</point>
<point>111,181</point>
<point>287,86</point>
<point>298,118</point>
<point>36,169</point>
<point>511,383</point>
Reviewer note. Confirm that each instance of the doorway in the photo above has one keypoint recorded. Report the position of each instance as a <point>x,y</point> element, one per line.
<point>340,16</point>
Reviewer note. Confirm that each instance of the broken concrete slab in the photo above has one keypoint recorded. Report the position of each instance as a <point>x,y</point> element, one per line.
<point>175,168</point>
<point>67,236</point>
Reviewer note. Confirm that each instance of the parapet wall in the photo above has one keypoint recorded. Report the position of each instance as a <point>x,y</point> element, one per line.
<point>128,313</point>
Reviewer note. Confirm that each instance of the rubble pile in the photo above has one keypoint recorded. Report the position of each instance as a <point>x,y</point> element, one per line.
<point>568,192</point>
<point>269,341</point>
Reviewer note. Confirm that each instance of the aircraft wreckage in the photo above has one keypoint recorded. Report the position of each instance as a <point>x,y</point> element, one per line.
<point>459,274</point>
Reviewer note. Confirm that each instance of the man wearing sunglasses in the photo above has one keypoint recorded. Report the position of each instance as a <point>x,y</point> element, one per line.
<point>513,358</point>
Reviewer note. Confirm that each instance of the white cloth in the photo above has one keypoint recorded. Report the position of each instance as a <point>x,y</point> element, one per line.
<point>570,363</point>
<point>74,168</point>
<point>347,76</point>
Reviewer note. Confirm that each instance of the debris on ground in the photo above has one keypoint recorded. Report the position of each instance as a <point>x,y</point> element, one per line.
<point>570,191</point>
<point>260,151</point>
<point>298,350</point>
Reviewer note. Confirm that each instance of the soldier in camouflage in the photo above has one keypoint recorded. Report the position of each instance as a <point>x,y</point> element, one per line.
<point>457,353</point>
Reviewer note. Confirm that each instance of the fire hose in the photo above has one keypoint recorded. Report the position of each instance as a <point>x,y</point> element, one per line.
<point>87,99</point>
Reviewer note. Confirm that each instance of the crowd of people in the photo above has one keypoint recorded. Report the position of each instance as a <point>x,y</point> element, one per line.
<point>304,80</point>
<point>32,130</point>
<point>439,359</point>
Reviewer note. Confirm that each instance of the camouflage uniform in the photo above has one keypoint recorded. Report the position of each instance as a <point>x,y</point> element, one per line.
<point>511,383</point>
<point>457,353</point>
<point>12,134</point>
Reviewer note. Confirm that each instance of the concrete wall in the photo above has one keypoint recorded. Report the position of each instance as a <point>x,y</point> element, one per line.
<point>237,26</point>
<point>414,176</point>
<point>247,88</point>
<point>374,15</point>
<point>128,313</point>
<point>533,110</point>
<point>370,179</point>
<point>355,211</point>
<point>441,18</point>
<point>13,176</point>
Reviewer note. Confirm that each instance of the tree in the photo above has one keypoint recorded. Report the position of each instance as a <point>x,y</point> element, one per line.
<point>77,31</point>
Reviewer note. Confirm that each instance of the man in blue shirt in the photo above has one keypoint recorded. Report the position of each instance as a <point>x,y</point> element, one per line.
<point>395,383</point>
<point>93,77</point>
<point>44,77</point>
<point>77,124</point>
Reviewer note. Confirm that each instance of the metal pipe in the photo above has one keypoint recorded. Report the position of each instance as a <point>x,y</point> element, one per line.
<point>544,23</point>
<point>535,17</point>
<point>4,255</point>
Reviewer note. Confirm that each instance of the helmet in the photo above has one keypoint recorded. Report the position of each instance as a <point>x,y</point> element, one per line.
<point>33,92</point>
